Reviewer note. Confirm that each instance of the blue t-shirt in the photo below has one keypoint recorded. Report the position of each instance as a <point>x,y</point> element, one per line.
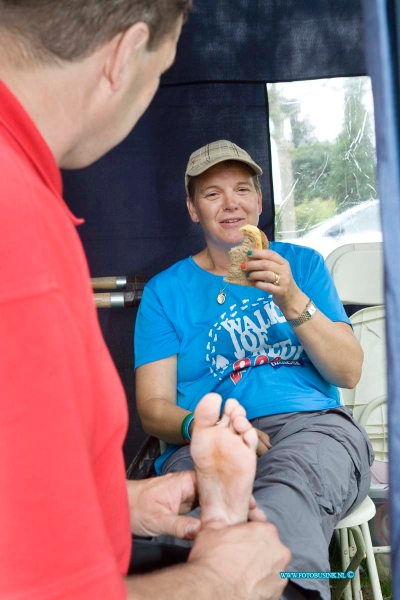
<point>243,349</point>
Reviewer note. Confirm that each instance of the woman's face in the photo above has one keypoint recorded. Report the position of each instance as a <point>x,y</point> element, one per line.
<point>225,200</point>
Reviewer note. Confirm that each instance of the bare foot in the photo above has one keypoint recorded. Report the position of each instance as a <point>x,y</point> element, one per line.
<point>225,460</point>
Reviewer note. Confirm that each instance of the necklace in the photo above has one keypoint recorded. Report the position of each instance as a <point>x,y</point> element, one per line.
<point>221,294</point>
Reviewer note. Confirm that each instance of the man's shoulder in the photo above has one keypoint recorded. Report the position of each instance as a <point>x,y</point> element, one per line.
<point>25,270</point>
<point>17,203</point>
<point>13,173</point>
<point>10,160</point>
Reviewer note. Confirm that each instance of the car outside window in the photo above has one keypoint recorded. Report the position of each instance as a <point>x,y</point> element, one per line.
<point>367,220</point>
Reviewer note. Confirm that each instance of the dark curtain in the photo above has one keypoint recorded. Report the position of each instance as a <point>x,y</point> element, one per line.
<point>133,199</point>
<point>270,40</point>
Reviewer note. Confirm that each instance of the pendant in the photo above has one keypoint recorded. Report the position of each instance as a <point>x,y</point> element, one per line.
<point>221,297</point>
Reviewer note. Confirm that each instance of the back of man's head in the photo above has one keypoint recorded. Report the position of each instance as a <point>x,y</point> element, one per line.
<point>55,31</point>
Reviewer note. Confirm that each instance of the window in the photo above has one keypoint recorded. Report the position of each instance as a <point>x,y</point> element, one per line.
<point>323,162</point>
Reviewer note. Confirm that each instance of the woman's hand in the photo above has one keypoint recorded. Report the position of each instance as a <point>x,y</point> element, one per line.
<point>264,443</point>
<point>271,273</point>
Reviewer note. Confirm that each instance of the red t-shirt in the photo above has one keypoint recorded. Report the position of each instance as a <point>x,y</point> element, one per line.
<point>64,520</point>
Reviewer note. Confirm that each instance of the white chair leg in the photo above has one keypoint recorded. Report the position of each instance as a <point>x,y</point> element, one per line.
<point>355,582</point>
<point>371,563</point>
<point>345,556</point>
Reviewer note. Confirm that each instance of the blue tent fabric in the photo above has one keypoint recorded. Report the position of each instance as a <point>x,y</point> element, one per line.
<point>382,20</point>
<point>133,199</point>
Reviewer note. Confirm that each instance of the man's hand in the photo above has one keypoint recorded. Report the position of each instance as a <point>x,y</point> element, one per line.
<point>263,442</point>
<point>240,561</point>
<point>246,560</point>
<point>157,505</point>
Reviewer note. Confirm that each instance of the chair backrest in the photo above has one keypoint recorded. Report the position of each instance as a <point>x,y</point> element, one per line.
<point>357,271</point>
<point>368,399</point>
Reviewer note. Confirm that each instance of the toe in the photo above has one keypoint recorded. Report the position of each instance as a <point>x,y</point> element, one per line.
<point>250,437</point>
<point>241,424</point>
<point>237,411</point>
<point>232,406</point>
<point>207,411</point>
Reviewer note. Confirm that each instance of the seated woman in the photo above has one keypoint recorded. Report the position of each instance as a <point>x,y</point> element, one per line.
<point>280,347</point>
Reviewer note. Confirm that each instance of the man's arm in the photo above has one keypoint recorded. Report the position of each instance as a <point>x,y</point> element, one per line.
<point>241,561</point>
<point>182,582</point>
<point>49,503</point>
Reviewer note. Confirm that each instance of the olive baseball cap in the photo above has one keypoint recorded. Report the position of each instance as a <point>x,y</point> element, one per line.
<point>202,159</point>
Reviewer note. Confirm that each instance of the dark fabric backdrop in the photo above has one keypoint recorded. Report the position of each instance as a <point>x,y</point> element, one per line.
<point>270,40</point>
<point>133,199</point>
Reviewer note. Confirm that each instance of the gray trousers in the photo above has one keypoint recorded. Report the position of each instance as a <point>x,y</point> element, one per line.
<point>318,468</point>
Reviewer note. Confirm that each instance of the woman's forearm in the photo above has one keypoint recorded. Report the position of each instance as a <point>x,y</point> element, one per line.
<point>331,346</point>
<point>156,400</point>
<point>163,419</point>
<point>333,349</point>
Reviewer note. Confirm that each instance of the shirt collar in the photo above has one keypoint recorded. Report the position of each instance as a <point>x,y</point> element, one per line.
<point>16,121</point>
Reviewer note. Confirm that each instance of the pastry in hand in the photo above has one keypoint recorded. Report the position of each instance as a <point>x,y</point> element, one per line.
<point>254,239</point>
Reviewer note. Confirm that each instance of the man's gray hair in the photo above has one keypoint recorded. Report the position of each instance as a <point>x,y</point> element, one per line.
<point>53,31</point>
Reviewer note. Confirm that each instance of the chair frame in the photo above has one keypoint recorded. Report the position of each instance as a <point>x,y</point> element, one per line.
<point>353,530</point>
<point>355,545</point>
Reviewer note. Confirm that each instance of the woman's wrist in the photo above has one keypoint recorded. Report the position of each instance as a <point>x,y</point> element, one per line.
<point>187,427</point>
<point>296,306</point>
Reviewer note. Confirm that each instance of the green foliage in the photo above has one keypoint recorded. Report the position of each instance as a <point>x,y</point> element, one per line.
<point>319,179</point>
<point>308,214</point>
<point>312,212</point>
<point>386,586</point>
<point>312,165</point>
<point>343,170</point>
<point>353,176</point>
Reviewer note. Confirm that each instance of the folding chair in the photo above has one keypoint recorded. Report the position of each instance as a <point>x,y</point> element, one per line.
<point>368,403</point>
<point>357,271</point>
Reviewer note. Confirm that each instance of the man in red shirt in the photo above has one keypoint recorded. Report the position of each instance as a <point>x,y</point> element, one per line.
<point>75,76</point>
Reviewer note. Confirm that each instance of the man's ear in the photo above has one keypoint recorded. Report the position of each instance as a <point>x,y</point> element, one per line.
<point>126,49</point>
<point>192,210</point>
